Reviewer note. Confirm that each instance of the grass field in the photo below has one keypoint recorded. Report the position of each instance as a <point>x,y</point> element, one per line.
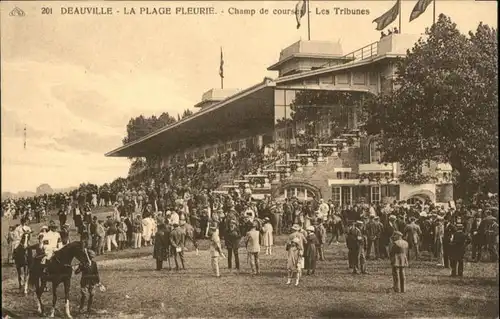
<point>136,290</point>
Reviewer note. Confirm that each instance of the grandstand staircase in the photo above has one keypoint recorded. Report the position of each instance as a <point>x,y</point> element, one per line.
<point>310,167</point>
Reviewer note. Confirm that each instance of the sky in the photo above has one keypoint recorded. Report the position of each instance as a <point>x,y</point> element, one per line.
<point>75,81</point>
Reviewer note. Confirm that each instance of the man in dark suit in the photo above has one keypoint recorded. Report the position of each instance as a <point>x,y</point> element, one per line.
<point>351,240</point>
<point>413,233</point>
<point>399,261</point>
<point>232,238</point>
<point>177,242</point>
<point>449,230</point>
<point>161,248</point>
<point>355,244</point>
<point>459,241</point>
<point>475,237</point>
<point>488,231</point>
<point>372,232</point>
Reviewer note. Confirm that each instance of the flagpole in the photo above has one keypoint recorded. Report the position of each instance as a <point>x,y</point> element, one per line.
<point>24,136</point>
<point>400,16</point>
<point>221,70</point>
<point>433,12</point>
<point>308,22</point>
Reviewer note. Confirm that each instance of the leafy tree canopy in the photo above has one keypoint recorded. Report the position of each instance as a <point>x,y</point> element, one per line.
<point>444,106</point>
<point>142,126</point>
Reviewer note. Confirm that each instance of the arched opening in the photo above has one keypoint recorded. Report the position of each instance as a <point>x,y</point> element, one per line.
<point>422,196</point>
<point>303,191</point>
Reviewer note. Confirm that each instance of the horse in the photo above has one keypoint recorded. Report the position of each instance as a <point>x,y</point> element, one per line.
<point>59,270</point>
<point>21,260</point>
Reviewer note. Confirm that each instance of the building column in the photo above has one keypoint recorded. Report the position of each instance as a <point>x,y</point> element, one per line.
<point>286,193</point>
<point>260,142</point>
<point>305,193</point>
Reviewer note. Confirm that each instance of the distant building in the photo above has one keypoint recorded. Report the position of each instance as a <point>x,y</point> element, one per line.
<point>44,189</point>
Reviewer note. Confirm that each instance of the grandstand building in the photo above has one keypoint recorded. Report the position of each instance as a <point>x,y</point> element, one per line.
<point>320,150</point>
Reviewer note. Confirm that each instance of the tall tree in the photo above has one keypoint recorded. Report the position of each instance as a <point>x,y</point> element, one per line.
<point>137,166</point>
<point>186,113</point>
<point>443,108</point>
<point>142,126</point>
<point>165,119</point>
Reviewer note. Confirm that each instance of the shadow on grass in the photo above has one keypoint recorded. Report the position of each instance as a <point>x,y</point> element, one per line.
<point>380,289</point>
<point>347,313</point>
<point>463,306</point>
<point>457,281</point>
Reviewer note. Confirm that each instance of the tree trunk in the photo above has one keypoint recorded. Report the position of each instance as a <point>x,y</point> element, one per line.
<point>461,189</point>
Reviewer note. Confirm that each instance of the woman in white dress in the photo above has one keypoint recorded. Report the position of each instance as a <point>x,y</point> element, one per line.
<point>267,235</point>
<point>147,230</point>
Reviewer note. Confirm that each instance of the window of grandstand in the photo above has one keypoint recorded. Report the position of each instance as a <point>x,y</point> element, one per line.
<point>300,192</point>
<point>346,195</point>
<point>375,155</point>
<point>336,195</point>
<point>389,191</point>
<point>346,175</point>
<point>375,194</point>
<point>447,177</point>
<point>339,175</point>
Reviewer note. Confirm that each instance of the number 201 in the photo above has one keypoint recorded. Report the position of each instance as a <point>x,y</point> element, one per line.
<point>46,10</point>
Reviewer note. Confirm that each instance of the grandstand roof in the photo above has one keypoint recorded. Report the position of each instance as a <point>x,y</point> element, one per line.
<point>248,110</point>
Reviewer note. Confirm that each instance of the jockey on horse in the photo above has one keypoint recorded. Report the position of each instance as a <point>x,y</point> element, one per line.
<point>19,231</point>
<point>51,242</point>
<point>20,242</point>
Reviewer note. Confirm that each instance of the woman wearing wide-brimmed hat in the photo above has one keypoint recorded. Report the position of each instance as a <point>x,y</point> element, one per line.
<point>215,248</point>
<point>310,251</point>
<point>438,240</point>
<point>294,260</point>
<point>267,235</point>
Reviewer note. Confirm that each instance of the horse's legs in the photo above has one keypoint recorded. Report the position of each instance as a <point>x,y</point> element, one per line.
<point>54,298</point>
<point>67,286</point>
<point>38,294</point>
<point>26,274</point>
<point>19,279</point>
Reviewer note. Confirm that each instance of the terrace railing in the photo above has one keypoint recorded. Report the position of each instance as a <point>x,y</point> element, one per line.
<point>365,52</point>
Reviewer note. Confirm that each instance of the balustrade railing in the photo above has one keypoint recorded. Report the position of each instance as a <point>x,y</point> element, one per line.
<point>365,52</point>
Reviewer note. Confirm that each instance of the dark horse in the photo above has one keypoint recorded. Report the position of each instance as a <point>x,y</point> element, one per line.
<point>59,269</point>
<point>21,260</point>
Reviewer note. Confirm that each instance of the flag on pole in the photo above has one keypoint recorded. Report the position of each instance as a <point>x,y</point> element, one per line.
<point>387,18</point>
<point>300,11</point>
<point>419,9</point>
<point>25,137</point>
<point>221,68</point>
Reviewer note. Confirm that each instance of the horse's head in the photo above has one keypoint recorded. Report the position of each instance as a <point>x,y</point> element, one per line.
<point>76,249</point>
<point>25,240</point>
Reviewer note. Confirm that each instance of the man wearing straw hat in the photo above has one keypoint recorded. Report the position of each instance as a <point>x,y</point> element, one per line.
<point>413,233</point>
<point>398,254</point>
<point>253,248</point>
<point>354,242</point>
<point>177,242</point>
<point>215,248</point>
<point>90,279</point>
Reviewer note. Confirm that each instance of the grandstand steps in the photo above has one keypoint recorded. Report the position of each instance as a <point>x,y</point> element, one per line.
<point>314,166</point>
